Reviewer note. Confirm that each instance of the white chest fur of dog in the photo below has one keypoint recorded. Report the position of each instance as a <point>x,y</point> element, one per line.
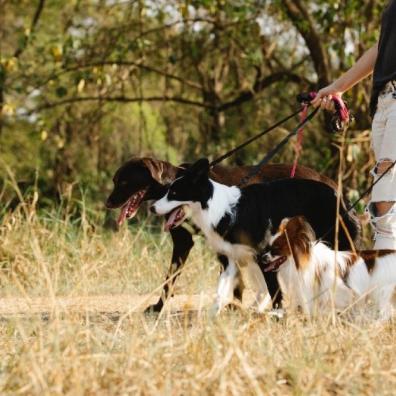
<point>222,202</point>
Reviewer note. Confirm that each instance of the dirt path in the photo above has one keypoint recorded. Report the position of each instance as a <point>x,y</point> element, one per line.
<point>99,304</point>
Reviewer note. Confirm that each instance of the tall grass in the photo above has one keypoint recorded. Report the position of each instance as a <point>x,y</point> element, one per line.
<point>54,254</point>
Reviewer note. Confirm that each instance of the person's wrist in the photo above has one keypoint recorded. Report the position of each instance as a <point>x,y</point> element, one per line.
<point>338,87</point>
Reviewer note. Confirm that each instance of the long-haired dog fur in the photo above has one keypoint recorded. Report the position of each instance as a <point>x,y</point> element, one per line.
<point>144,179</point>
<point>237,222</point>
<point>316,278</point>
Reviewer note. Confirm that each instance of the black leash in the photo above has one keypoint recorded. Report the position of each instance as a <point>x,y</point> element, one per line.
<point>277,148</point>
<point>340,121</point>
<point>361,196</point>
<point>252,139</point>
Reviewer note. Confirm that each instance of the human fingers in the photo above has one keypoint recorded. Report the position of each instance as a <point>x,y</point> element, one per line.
<point>327,103</point>
<point>317,100</point>
<point>320,96</point>
<point>330,90</point>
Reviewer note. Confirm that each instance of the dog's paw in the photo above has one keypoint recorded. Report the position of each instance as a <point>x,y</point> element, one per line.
<point>262,303</point>
<point>277,314</point>
<point>214,311</point>
<point>155,308</point>
<point>218,307</point>
<point>386,315</point>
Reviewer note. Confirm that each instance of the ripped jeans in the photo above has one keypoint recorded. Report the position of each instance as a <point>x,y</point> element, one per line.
<point>384,192</point>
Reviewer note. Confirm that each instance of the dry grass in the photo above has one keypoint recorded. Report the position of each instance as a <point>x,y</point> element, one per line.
<point>185,354</point>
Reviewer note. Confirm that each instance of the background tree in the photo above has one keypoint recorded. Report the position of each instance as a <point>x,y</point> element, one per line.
<point>86,84</point>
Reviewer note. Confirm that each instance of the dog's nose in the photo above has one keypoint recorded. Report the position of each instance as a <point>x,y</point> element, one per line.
<point>152,209</point>
<point>265,258</point>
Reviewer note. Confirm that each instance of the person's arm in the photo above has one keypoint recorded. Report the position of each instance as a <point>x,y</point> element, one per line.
<point>360,70</point>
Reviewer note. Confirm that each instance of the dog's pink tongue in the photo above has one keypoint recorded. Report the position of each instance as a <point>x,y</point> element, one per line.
<point>274,265</point>
<point>123,213</point>
<point>171,219</point>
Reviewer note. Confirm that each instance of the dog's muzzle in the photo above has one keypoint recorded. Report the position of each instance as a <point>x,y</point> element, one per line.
<point>270,263</point>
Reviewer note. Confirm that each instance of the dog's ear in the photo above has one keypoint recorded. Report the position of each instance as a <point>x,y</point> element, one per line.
<point>302,226</point>
<point>199,169</point>
<point>283,225</point>
<point>309,232</point>
<point>156,168</point>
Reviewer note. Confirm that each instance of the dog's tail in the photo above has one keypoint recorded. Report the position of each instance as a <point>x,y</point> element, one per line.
<point>350,229</point>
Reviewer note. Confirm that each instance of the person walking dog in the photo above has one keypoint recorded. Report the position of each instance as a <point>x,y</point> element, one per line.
<point>380,59</point>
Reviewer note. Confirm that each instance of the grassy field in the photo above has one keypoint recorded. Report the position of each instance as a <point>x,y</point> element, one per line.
<point>187,353</point>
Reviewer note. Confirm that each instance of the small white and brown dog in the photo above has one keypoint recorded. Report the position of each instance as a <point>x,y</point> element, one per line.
<point>315,278</point>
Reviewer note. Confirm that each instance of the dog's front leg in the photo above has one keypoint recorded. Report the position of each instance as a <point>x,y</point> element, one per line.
<point>271,279</point>
<point>182,245</point>
<point>254,279</point>
<point>228,281</point>
<point>382,297</point>
<point>238,291</point>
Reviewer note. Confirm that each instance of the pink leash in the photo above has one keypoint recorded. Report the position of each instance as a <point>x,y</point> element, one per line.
<point>343,114</point>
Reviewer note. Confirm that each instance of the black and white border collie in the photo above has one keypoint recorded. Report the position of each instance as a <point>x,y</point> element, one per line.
<point>315,278</point>
<point>237,222</point>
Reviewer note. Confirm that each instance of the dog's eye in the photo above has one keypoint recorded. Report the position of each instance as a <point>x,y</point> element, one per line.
<point>274,250</point>
<point>123,183</point>
<point>171,193</point>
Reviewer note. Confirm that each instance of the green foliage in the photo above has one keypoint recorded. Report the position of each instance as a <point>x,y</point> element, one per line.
<point>85,85</point>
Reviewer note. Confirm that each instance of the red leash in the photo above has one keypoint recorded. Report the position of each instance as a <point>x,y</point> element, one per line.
<point>342,117</point>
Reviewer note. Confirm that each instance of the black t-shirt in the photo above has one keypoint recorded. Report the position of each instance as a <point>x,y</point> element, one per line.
<point>385,67</point>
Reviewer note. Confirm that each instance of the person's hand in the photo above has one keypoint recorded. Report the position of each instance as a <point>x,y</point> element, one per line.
<point>323,97</point>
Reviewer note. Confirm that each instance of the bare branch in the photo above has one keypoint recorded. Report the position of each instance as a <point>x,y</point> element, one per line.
<point>303,22</point>
<point>36,17</point>
<point>121,99</point>
<point>149,68</point>
<point>37,14</point>
<point>261,85</point>
<point>185,21</point>
<point>18,52</point>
